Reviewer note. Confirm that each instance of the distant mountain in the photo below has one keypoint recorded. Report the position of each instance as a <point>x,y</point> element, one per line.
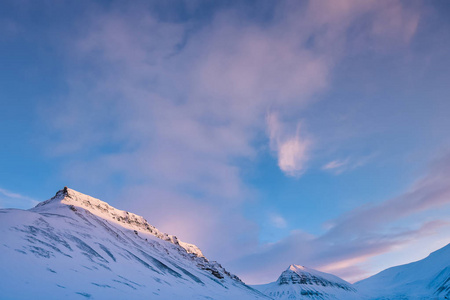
<point>74,246</point>
<point>428,278</point>
<point>298,282</point>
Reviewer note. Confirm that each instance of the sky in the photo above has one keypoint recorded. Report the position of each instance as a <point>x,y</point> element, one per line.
<point>268,133</point>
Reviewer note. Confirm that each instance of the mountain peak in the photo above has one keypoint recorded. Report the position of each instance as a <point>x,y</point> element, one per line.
<point>69,198</point>
<point>62,196</point>
<point>296,274</point>
<point>300,282</point>
<point>295,268</point>
<point>75,245</point>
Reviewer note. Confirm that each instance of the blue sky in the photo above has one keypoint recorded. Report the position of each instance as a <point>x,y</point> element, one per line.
<point>268,133</point>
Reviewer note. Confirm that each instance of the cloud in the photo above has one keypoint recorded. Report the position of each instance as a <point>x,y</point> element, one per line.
<point>183,98</point>
<point>363,233</point>
<point>292,156</point>
<point>179,117</point>
<point>277,220</point>
<point>335,164</point>
<point>340,166</point>
<point>10,199</point>
<point>344,255</point>
<point>291,148</point>
<point>163,112</point>
<point>213,230</point>
<point>430,192</point>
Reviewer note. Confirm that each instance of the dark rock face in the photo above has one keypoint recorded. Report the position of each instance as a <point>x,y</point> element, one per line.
<point>300,282</point>
<point>291,277</point>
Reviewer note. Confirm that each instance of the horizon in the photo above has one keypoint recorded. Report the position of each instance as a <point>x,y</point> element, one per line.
<point>267,133</point>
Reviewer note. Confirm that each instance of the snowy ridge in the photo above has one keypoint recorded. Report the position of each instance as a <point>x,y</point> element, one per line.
<point>103,210</point>
<point>74,246</point>
<point>428,278</point>
<point>299,282</point>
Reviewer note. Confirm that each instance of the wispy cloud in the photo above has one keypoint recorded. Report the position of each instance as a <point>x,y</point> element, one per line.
<point>363,233</point>
<point>339,166</point>
<point>277,220</point>
<point>336,164</point>
<point>9,199</point>
<point>430,192</point>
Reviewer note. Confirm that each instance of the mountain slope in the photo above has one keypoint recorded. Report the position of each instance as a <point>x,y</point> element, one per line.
<point>298,282</point>
<point>428,278</point>
<point>74,246</point>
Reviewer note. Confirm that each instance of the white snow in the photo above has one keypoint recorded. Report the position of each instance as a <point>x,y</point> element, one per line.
<point>74,246</point>
<point>103,210</point>
<point>428,278</point>
<point>425,279</point>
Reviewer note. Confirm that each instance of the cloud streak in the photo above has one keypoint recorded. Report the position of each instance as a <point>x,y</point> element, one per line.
<point>339,166</point>
<point>10,199</point>
<point>336,165</point>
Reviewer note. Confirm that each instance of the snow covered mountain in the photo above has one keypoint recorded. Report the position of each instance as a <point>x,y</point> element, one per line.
<point>74,246</point>
<point>428,278</point>
<point>298,282</point>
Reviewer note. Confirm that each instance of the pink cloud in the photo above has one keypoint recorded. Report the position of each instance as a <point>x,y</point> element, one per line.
<point>177,115</point>
<point>292,149</point>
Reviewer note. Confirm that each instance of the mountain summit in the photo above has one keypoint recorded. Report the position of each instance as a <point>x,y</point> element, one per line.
<point>299,282</point>
<point>74,246</point>
<point>68,197</point>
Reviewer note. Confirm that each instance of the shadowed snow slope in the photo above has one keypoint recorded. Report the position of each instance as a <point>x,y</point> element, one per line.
<point>298,282</point>
<point>428,278</point>
<point>74,246</point>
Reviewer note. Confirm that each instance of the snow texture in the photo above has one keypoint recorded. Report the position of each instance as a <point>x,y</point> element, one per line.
<point>428,278</point>
<point>74,246</point>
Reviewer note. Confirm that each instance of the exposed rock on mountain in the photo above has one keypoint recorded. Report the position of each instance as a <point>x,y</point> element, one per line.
<point>298,282</point>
